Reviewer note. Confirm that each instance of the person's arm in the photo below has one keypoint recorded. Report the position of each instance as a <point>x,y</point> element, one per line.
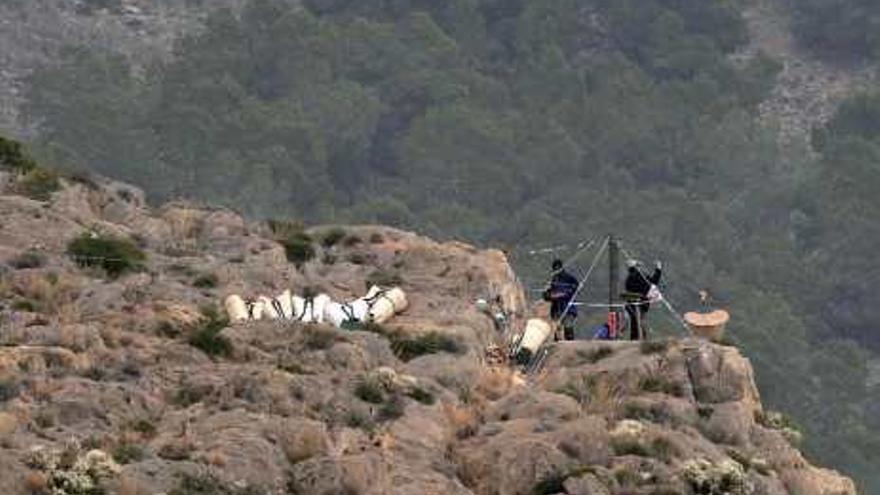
<point>658,272</point>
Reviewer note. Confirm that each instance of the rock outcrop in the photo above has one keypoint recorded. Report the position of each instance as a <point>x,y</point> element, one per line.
<point>139,367</point>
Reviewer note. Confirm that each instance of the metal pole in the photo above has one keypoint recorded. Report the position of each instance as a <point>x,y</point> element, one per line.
<point>613,288</point>
<point>613,262</point>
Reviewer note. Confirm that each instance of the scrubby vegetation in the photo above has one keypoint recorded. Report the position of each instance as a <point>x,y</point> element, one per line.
<point>206,334</point>
<point>14,157</point>
<point>113,255</point>
<point>408,348</point>
<point>299,248</point>
<point>39,184</point>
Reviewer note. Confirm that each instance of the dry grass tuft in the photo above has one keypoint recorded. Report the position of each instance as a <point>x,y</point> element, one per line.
<point>307,442</point>
<point>495,383</point>
<point>465,421</point>
<point>51,294</point>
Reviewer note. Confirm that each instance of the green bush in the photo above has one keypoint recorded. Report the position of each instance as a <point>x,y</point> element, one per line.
<point>593,356</point>
<point>206,281</point>
<point>629,446</point>
<point>550,484</point>
<point>13,156</point>
<point>126,453</point>
<point>206,334</point>
<point>384,278</point>
<point>369,390</point>
<point>9,388</point>
<point>317,338</point>
<point>392,408</point>
<point>654,346</point>
<point>421,396</point>
<point>28,260</point>
<point>39,184</point>
<point>285,228</point>
<point>298,248</point>
<point>332,237</point>
<point>663,385</point>
<point>352,241</point>
<point>407,348</point>
<point>206,483</point>
<point>114,256</point>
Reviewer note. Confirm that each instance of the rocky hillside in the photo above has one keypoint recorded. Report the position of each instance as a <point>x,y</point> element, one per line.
<point>118,375</point>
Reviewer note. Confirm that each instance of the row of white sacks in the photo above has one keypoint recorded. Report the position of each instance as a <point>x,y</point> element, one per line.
<point>378,306</point>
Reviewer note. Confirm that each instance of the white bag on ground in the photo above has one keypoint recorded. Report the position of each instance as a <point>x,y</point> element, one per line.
<point>285,304</point>
<point>384,304</point>
<point>236,309</point>
<point>268,310</point>
<point>310,310</point>
<point>339,314</point>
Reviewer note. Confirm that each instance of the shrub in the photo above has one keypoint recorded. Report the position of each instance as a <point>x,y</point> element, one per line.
<point>176,451</point>
<point>629,446</point>
<point>114,256</point>
<point>13,156</point>
<point>39,184</point>
<point>550,484</point>
<point>332,237</point>
<point>298,248</point>
<point>352,241</point>
<point>10,387</point>
<point>357,259</point>
<point>377,238</point>
<point>654,346</point>
<point>206,334</point>
<point>408,349</point>
<point>658,384</point>
<point>28,260</point>
<point>392,408</point>
<point>663,449</point>
<point>593,356</point>
<point>283,229</point>
<point>126,453</point>
<point>187,396</point>
<point>206,483</point>
<point>206,281</point>
<point>421,396</point>
<point>384,278</point>
<point>145,427</point>
<point>359,419</point>
<point>317,338</point>
<point>369,390</point>
<point>579,389</point>
<point>26,305</point>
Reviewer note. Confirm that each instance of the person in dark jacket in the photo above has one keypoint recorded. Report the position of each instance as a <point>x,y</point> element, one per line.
<point>562,290</point>
<point>637,286</point>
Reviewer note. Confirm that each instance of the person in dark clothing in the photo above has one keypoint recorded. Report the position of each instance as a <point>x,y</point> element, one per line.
<point>638,285</point>
<point>562,290</point>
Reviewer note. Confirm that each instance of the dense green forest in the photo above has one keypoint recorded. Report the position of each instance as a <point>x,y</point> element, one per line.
<point>839,29</point>
<point>524,123</point>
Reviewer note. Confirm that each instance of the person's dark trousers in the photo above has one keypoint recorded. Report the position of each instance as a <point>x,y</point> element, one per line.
<point>635,321</point>
<point>568,327</point>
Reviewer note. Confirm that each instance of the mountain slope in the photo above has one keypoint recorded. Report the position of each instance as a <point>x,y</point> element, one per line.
<point>131,365</point>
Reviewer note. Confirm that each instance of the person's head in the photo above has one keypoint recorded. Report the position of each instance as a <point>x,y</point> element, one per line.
<point>632,264</point>
<point>557,265</point>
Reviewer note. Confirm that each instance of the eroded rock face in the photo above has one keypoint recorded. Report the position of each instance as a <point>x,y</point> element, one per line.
<point>135,366</point>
